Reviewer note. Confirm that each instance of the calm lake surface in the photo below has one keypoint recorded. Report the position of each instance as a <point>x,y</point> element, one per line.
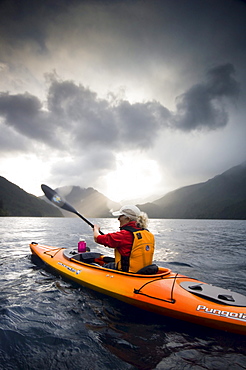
<point>49,323</point>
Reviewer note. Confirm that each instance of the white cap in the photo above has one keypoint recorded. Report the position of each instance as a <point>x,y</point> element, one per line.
<point>130,211</point>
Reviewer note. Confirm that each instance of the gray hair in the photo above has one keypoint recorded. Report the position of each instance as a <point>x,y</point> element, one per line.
<point>142,220</point>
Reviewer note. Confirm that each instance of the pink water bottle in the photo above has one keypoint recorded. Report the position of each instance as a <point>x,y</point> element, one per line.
<point>81,245</point>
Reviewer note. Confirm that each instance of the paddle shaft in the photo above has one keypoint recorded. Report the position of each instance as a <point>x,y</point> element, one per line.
<point>87,221</point>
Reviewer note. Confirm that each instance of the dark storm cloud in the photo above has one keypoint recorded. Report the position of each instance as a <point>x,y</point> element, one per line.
<point>138,30</point>
<point>204,105</point>
<point>139,123</point>
<point>79,110</point>
<point>91,120</point>
<point>24,114</point>
<point>26,20</point>
<point>75,116</point>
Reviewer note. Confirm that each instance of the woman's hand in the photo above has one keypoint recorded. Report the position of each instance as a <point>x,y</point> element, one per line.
<point>96,232</point>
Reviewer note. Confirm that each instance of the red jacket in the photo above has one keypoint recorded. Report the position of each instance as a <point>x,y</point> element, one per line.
<point>122,240</point>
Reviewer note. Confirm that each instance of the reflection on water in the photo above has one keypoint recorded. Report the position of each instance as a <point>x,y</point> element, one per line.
<point>47,322</point>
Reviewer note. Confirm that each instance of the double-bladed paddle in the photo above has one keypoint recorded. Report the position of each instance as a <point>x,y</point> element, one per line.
<point>56,199</point>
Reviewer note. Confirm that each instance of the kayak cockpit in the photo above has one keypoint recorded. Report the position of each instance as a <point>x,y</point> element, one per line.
<point>99,260</point>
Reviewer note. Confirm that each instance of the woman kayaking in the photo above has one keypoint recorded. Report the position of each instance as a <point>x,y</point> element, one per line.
<point>133,244</point>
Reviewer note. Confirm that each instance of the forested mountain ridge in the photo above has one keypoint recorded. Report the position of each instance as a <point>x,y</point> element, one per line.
<point>14,201</point>
<point>222,197</point>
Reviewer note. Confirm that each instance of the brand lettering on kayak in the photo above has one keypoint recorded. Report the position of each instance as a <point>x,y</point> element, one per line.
<point>70,268</point>
<point>231,315</point>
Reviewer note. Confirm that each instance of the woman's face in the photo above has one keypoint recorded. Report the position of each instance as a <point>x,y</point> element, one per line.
<point>123,220</point>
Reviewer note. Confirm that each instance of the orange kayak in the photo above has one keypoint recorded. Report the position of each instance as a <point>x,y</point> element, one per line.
<point>164,292</point>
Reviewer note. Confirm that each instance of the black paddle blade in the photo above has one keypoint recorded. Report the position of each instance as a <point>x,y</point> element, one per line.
<point>56,199</point>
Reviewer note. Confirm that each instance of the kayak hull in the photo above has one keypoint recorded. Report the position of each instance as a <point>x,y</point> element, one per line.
<point>165,293</point>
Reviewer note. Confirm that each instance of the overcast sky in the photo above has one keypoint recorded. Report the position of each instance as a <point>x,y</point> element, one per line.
<point>133,98</point>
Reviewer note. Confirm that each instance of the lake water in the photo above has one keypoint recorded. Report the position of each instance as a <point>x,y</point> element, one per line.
<point>49,323</point>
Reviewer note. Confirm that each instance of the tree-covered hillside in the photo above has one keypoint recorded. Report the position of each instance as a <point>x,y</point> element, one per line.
<point>16,202</point>
<point>222,197</point>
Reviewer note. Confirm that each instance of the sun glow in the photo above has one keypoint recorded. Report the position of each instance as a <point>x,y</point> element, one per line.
<point>26,171</point>
<point>134,178</point>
